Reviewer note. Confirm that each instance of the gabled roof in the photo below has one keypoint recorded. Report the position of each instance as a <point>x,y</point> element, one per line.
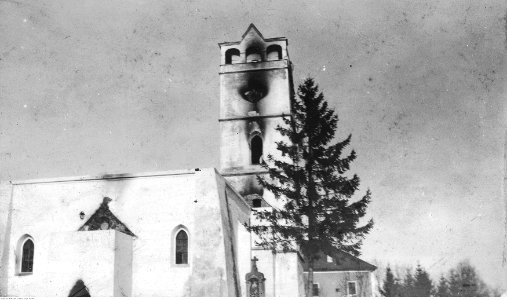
<point>342,261</point>
<point>104,215</point>
<point>252,27</point>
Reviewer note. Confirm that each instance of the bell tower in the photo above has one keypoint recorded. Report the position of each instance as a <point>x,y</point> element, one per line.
<point>255,94</point>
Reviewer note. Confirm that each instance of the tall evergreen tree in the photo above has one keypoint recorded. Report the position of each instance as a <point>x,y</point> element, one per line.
<point>317,213</point>
<point>442,289</point>
<point>398,287</point>
<point>422,283</point>
<point>389,288</point>
<point>408,285</point>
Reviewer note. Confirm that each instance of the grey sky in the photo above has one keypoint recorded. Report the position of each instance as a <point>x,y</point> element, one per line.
<point>91,87</point>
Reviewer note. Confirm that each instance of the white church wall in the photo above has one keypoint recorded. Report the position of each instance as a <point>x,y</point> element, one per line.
<point>230,249</point>
<point>215,270</point>
<point>123,264</point>
<point>239,212</point>
<point>287,274</point>
<point>283,273</point>
<point>89,256</point>
<point>151,206</point>
<point>265,265</point>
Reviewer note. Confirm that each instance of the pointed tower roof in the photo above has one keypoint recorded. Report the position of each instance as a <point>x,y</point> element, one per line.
<point>252,27</point>
<point>342,261</point>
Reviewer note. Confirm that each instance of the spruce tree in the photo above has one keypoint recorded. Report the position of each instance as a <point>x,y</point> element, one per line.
<point>389,288</point>
<point>317,214</point>
<point>422,283</point>
<point>408,285</point>
<point>443,288</point>
<point>398,287</point>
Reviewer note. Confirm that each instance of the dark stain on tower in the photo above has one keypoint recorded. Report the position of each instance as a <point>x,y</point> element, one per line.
<point>255,94</point>
<point>255,87</point>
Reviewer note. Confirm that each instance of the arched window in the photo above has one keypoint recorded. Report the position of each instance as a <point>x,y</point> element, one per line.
<point>274,52</point>
<point>232,56</point>
<point>253,54</point>
<point>27,256</point>
<point>182,248</point>
<point>256,148</point>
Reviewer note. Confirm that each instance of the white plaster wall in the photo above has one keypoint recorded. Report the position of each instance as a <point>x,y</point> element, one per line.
<point>228,231</point>
<point>88,256</point>
<point>282,272</point>
<point>215,270</point>
<point>123,264</point>
<point>235,151</point>
<point>85,255</point>
<point>287,274</point>
<point>265,265</point>
<point>151,206</point>
<point>330,281</point>
<point>239,215</point>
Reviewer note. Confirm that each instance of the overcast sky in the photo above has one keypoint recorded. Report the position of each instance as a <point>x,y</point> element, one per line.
<point>93,87</point>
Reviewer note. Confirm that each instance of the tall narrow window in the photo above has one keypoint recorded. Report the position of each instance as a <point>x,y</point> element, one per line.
<point>256,146</point>
<point>182,248</point>
<point>27,257</point>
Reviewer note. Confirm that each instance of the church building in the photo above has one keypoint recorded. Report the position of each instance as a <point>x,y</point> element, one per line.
<point>172,233</point>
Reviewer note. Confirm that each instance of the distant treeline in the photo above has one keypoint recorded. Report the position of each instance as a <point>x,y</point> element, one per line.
<point>461,281</point>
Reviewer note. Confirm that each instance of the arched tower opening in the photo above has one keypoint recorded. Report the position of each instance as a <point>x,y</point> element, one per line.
<point>232,56</point>
<point>274,52</point>
<point>253,54</point>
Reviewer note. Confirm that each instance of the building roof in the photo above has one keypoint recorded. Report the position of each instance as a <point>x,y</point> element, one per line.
<point>342,261</point>
<point>252,27</point>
